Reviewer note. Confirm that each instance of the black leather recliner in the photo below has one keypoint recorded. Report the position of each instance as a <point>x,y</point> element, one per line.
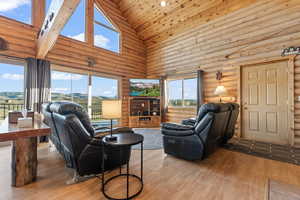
<point>231,123</point>
<point>198,138</point>
<point>74,137</point>
<point>230,130</point>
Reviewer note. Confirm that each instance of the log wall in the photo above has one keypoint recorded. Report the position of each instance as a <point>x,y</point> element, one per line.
<point>259,31</point>
<point>130,63</point>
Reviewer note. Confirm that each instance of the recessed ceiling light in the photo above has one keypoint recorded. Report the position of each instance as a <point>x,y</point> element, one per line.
<point>163,3</point>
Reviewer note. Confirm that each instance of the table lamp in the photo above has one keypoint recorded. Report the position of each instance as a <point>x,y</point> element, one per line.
<point>220,90</point>
<point>111,109</point>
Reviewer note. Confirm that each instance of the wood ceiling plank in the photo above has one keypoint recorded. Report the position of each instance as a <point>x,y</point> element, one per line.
<point>178,15</point>
<point>153,22</point>
<point>226,7</point>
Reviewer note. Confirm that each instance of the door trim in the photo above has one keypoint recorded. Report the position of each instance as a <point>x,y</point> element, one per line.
<point>291,67</point>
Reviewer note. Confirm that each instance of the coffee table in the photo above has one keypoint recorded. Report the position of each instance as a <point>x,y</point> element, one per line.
<point>123,140</point>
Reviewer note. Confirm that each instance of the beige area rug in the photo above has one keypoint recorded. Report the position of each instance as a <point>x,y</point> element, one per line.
<point>282,191</point>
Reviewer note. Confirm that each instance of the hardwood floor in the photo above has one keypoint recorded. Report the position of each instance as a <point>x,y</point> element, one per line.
<point>225,175</point>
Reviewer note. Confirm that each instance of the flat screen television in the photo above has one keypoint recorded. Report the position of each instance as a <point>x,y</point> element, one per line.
<point>144,87</point>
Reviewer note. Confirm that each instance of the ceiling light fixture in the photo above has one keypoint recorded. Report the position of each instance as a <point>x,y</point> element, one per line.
<point>163,3</point>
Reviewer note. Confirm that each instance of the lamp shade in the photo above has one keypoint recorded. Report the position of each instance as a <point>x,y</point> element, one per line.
<point>220,90</point>
<point>111,109</point>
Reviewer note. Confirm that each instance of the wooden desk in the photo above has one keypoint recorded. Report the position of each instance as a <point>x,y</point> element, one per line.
<point>24,150</point>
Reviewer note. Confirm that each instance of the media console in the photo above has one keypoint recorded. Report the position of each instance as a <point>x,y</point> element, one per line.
<point>144,112</point>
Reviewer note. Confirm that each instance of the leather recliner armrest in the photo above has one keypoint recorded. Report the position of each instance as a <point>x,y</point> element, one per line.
<point>96,141</point>
<point>179,127</point>
<point>204,122</point>
<point>179,133</point>
<point>190,121</point>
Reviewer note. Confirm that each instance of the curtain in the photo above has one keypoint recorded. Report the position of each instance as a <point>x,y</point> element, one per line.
<point>163,98</point>
<point>200,93</point>
<point>37,83</point>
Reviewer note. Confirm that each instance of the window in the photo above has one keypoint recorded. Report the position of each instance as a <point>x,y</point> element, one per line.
<point>19,10</point>
<point>105,34</point>
<point>190,92</point>
<point>102,88</point>
<point>69,87</point>
<point>11,88</point>
<point>182,92</point>
<point>75,87</point>
<point>175,93</point>
<point>75,27</point>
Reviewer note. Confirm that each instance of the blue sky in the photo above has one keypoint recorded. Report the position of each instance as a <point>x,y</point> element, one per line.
<point>11,78</point>
<point>75,28</point>
<point>20,10</point>
<point>175,89</point>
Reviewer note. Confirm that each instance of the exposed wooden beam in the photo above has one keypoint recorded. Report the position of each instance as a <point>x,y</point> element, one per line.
<point>57,16</point>
<point>89,22</point>
<point>38,13</point>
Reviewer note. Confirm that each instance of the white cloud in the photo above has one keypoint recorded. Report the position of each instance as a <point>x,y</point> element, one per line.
<point>66,76</point>
<point>79,37</point>
<point>101,41</point>
<point>12,76</point>
<point>7,5</point>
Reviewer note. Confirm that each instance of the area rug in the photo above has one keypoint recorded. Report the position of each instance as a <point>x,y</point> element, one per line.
<point>152,139</point>
<point>284,153</point>
<point>281,191</point>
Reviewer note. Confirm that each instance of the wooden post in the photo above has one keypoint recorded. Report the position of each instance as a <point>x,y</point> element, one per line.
<point>24,161</point>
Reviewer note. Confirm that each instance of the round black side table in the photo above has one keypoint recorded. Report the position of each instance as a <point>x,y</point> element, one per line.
<point>123,139</point>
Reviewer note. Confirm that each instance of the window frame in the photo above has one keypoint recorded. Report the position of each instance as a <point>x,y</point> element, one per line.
<point>182,92</point>
<point>117,30</point>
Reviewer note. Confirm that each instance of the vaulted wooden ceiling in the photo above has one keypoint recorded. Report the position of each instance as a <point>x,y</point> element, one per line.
<point>149,19</point>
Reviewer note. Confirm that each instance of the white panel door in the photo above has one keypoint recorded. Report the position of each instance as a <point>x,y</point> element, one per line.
<point>265,102</point>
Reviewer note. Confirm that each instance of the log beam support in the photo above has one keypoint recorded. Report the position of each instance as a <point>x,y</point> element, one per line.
<point>24,161</point>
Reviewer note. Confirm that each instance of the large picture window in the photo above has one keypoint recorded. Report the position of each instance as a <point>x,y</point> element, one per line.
<point>102,88</point>
<point>75,87</point>
<point>69,87</point>
<point>182,92</point>
<point>11,88</point>
<point>19,10</point>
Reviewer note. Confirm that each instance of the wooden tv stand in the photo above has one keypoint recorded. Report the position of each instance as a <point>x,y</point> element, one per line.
<point>144,112</point>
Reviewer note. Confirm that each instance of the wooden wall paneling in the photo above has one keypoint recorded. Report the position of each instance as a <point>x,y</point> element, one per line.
<point>256,32</point>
